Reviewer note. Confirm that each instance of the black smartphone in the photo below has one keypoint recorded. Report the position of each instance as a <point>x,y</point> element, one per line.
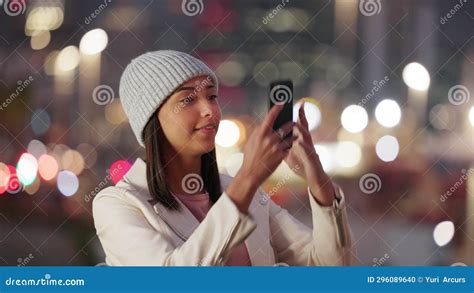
<point>281,92</point>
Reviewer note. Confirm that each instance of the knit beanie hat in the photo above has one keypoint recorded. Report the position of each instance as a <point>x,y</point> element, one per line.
<point>150,78</point>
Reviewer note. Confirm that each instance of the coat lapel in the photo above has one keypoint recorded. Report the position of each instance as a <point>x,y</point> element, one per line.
<point>183,223</point>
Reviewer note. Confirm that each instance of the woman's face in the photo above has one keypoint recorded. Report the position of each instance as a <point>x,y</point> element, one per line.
<point>190,116</point>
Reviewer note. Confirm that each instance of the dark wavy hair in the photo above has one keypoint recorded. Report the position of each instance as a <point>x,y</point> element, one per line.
<point>158,187</point>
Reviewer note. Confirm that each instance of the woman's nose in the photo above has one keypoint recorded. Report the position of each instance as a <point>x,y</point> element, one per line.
<point>207,109</point>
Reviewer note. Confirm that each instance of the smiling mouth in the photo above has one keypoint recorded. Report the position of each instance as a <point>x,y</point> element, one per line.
<point>207,127</point>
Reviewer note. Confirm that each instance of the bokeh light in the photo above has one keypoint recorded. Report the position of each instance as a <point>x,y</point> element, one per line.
<point>312,113</point>
<point>40,40</point>
<point>27,168</point>
<point>67,183</point>
<point>4,177</point>
<point>325,157</point>
<point>354,118</point>
<point>416,76</point>
<point>228,134</point>
<point>233,163</point>
<point>443,233</point>
<point>44,18</point>
<point>47,167</point>
<point>348,154</point>
<point>36,148</point>
<point>388,113</point>
<point>93,42</point>
<point>33,187</point>
<point>67,59</point>
<point>40,121</point>
<point>471,116</point>
<point>231,73</point>
<point>387,148</point>
<point>73,161</point>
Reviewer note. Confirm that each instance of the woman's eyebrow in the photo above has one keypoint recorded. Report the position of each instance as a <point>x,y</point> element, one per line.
<point>185,88</point>
<point>191,88</point>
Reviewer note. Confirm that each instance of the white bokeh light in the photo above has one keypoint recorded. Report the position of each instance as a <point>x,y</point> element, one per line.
<point>27,169</point>
<point>387,148</point>
<point>443,233</point>
<point>471,116</point>
<point>388,113</point>
<point>93,42</point>
<point>354,118</point>
<point>233,163</point>
<point>67,182</point>
<point>348,154</point>
<point>67,59</point>
<point>228,134</point>
<point>325,158</point>
<point>416,76</point>
<point>312,113</point>
<point>36,148</point>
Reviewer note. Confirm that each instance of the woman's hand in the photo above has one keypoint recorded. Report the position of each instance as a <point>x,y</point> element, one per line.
<point>304,161</point>
<point>265,149</point>
<point>263,152</point>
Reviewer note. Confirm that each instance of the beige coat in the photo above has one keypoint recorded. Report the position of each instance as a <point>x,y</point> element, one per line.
<point>135,229</point>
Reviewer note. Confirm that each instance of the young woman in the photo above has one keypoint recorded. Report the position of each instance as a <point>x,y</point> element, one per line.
<point>175,209</point>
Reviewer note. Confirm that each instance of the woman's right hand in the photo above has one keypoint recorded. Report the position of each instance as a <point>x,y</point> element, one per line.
<point>265,149</point>
<point>263,153</point>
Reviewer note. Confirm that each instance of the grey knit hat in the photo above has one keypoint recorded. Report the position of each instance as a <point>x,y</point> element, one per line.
<point>150,78</point>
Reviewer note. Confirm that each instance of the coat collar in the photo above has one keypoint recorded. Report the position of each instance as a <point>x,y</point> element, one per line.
<point>184,223</point>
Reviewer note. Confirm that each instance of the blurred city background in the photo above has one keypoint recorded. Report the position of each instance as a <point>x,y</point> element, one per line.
<point>388,86</point>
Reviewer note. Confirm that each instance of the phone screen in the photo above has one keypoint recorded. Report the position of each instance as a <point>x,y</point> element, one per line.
<point>281,92</point>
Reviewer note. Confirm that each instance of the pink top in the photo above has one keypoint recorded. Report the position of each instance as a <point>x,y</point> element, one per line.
<point>199,205</point>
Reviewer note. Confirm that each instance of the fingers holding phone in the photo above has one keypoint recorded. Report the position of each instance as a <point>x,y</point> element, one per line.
<point>270,142</point>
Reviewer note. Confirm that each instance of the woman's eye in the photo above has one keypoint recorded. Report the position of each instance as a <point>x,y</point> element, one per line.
<point>212,97</point>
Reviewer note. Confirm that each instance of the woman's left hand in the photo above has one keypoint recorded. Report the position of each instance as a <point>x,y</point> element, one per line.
<point>303,159</point>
